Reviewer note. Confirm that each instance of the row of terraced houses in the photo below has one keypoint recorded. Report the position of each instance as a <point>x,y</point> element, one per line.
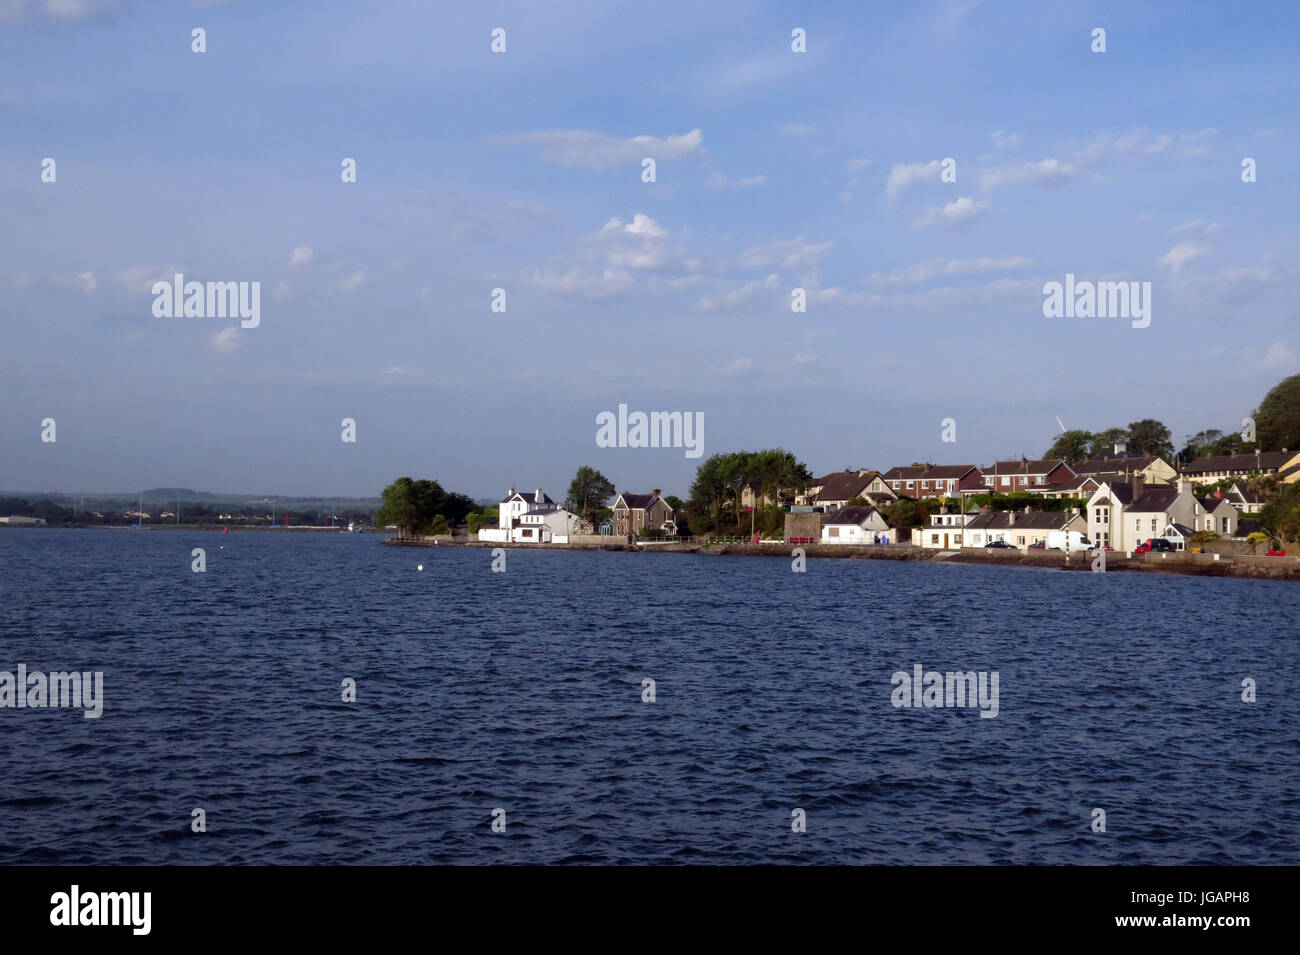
<point>1130,499</point>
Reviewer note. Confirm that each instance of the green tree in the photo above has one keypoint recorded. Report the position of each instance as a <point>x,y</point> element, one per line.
<point>1072,447</point>
<point>1281,515</point>
<point>1277,422</point>
<point>1149,436</point>
<point>1103,442</point>
<point>675,502</point>
<point>588,490</point>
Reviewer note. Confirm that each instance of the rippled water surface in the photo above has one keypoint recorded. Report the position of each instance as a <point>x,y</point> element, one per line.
<point>522,690</point>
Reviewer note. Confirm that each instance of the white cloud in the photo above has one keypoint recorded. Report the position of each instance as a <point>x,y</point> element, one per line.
<point>608,284</point>
<point>352,282</point>
<point>580,148</point>
<point>23,12</point>
<point>84,282</point>
<point>1043,172</point>
<point>956,213</point>
<point>1197,228</point>
<point>721,181</point>
<point>925,271</point>
<point>736,298</point>
<point>793,254</point>
<point>1181,254</point>
<point>857,165</point>
<point>902,175</point>
<point>1004,140</point>
<point>1279,355</point>
<point>1196,145</point>
<point>226,340</point>
<point>302,255</point>
<point>139,279</point>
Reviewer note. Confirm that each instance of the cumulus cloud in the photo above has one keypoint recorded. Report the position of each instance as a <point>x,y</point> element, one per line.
<point>352,282</point>
<point>226,340</point>
<point>902,175</point>
<point>302,255</point>
<point>956,213</point>
<point>1183,253</point>
<point>1044,172</point>
<point>581,148</point>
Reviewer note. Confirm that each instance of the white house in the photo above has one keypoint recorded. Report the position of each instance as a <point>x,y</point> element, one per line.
<point>553,526</point>
<point>510,513</point>
<point>944,532</point>
<point>854,525</point>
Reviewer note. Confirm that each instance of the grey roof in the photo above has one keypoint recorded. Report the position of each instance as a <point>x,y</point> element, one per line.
<point>1033,520</point>
<point>1269,460</point>
<point>849,515</point>
<point>1155,499</point>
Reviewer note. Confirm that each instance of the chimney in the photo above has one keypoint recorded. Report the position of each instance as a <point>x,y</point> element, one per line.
<point>1011,518</point>
<point>1138,484</point>
<point>1121,447</point>
<point>655,492</point>
<point>537,496</point>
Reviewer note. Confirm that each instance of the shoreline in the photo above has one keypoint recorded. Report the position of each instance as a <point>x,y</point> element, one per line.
<point>1197,565</point>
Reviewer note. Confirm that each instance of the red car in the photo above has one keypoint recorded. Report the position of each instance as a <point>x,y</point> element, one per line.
<point>1276,553</point>
<point>1154,543</point>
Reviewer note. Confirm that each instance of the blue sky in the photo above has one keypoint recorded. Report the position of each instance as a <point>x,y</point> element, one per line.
<point>522,171</point>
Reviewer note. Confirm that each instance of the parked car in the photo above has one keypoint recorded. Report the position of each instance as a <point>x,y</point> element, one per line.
<point>1276,552</point>
<point>1038,545</point>
<point>1154,543</point>
<point>1001,545</point>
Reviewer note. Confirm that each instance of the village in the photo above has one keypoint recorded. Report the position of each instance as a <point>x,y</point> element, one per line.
<point>1114,502</point>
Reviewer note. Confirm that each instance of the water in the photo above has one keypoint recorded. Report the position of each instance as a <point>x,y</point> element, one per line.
<point>522,691</point>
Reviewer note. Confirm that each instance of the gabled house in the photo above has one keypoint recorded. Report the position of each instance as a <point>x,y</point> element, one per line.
<point>553,526</point>
<point>903,480</point>
<point>1007,477</point>
<point>1152,468</point>
<point>1021,528</point>
<point>1157,507</point>
<point>1209,470</point>
<point>854,525</point>
<point>510,512</point>
<point>945,530</point>
<point>1081,487</point>
<point>1216,514</point>
<point>836,490</point>
<point>1243,499</point>
<point>1106,508</point>
<point>637,512</point>
<point>929,480</point>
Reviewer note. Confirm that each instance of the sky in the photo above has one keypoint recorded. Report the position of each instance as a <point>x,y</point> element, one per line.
<point>523,170</point>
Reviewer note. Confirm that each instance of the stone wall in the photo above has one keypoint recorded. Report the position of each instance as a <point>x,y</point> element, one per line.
<point>803,525</point>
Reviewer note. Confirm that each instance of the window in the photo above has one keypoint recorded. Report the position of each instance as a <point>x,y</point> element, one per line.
<point>1225,525</point>
<point>1153,525</point>
<point>1006,479</point>
<point>835,532</point>
<point>1020,540</point>
<point>909,485</point>
<point>957,539</point>
<point>934,538</point>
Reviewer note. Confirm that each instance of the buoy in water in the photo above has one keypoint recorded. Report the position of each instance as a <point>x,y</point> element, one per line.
<point>419,567</point>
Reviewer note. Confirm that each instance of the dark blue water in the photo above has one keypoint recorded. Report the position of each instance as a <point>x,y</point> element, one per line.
<point>522,691</point>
